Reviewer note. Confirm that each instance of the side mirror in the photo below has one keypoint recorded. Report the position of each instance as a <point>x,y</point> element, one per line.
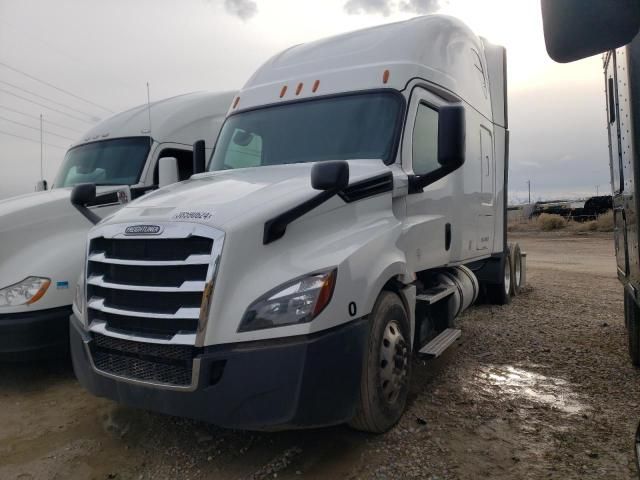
<point>330,176</point>
<point>451,147</point>
<point>41,186</point>
<point>575,29</point>
<point>167,171</point>
<point>199,157</point>
<point>451,137</point>
<point>82,195</point>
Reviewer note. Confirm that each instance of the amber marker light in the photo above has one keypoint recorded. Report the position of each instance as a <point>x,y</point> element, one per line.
<point>236,101</point>
<point>316,84</point>
<point>299,88</point>
<point>385,76</point>
<point>326,292</point>
<point>283,91</point>
<point>40,293</point>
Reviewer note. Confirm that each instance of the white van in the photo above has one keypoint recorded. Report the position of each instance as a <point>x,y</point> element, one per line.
<point>42,236</point>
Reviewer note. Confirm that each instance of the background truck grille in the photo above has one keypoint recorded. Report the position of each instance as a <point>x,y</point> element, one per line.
<point>147,362</point>
<point>143,286</point>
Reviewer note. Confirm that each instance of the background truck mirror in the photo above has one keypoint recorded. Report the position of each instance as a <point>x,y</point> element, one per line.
<point>81,195</point>
<point>41,185</point>
<point>199,156</point>
<point>575,29</point>
<point>330,176</point>
<point>167,171</point>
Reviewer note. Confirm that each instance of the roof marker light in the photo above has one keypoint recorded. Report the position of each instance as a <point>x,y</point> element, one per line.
<point>299,88</point>
<point>236,101</point>
<point>385,76</point>
<point>283,91</point>
<point>316,84</point>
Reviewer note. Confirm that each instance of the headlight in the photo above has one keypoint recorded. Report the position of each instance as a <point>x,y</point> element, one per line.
<point>28,291</point>
<point>299,301</point>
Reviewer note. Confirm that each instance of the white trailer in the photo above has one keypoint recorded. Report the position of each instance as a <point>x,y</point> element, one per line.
<point>42,236</point>
<point>355,196</point>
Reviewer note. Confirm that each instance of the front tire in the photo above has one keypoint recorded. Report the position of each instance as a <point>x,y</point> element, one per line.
<point>632,319</point>
<point>384,383</point>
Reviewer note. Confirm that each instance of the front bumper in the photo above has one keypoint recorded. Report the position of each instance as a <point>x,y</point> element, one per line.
<point>298,382</point>
<point>38,332</point>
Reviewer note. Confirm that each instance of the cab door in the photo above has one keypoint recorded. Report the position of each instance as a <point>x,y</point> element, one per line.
<point>486,219</point>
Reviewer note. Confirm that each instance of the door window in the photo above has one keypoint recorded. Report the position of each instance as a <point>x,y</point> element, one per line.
<point>425,141</point>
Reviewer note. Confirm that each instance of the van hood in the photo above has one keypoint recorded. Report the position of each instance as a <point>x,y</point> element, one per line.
<point>218,198</point>
<point>32,208</point>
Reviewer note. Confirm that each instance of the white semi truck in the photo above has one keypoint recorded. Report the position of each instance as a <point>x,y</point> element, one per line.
<point>42,236</point>
<point>354,206</point>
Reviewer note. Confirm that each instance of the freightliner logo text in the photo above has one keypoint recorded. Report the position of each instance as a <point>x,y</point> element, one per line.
<point>143,230</point>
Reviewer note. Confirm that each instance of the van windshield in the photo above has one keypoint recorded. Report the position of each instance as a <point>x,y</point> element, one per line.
<point>107,162</point>
<point>338,128</point>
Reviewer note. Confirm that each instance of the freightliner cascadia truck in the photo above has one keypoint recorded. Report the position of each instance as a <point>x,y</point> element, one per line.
<point>575,29</point>
<point>354,206</point>
<point>42,236</point>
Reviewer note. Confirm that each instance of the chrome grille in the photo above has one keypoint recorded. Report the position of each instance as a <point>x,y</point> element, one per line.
<point>145,286</point>
<point>148,362</point>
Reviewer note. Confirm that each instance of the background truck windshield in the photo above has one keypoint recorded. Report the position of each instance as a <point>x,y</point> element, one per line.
<point>338,128</point>
<point>108,162</point>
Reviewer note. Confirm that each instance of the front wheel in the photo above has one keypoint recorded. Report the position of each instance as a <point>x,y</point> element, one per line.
<point>384,383</point>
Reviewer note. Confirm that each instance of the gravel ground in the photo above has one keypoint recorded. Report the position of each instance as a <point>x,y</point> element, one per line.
<point>541,388</point>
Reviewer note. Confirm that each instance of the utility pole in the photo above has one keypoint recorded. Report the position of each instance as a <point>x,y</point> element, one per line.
<point>529,186</point>
<point>41,149</point>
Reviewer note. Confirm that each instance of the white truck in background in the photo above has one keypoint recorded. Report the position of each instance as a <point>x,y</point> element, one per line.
<point>355,205</point>
<point>42,236</point>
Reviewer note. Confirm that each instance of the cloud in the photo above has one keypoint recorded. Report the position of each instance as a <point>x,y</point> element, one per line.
<point>420,6</point>
<point>386,7</point>
<point>243,9</point>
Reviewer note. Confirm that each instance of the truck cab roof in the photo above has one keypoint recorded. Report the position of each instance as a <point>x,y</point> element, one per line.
<point>438,49</point>
<point>172,119</point>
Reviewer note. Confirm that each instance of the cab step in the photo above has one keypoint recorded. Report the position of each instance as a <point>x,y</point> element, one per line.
<point>439,344</point>
<point>435,294</point>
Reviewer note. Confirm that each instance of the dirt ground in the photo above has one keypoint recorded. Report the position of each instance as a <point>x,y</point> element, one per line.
<point>541,388</point>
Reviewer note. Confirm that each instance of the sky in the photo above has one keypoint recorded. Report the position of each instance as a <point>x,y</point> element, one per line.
<point>76,61</point>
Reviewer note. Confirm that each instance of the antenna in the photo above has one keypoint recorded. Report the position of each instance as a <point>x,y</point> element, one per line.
<point>41,149</point>
<point>149,112</point>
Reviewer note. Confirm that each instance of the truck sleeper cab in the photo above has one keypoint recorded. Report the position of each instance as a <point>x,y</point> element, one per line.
<point>355,205</point>
<point>38,276</point>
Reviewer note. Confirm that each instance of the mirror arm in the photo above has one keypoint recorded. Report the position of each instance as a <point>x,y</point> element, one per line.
<point>275,228</point>
<point>88,214</point>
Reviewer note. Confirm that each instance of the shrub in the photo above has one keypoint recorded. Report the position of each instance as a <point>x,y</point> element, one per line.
<point>604,222</point>
<point>551,221</point>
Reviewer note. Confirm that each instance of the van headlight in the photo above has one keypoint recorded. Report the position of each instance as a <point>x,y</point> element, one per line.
<point>298,301</point>
<point>26,292</point>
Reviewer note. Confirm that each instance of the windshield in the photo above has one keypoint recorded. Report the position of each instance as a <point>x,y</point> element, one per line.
<point>338,128</point>
<point>108,162</point>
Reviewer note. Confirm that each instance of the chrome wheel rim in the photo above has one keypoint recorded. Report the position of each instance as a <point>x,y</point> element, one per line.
<point>518,269</point>
<point>507,277</point>
<point>394,360</point>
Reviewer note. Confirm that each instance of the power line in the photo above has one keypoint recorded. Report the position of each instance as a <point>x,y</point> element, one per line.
<point>35,117</point>
<point>90,115</point>
<point>46,106</point>
<point>2,132</point>
<point>34,128</point>
<point>54,87</point>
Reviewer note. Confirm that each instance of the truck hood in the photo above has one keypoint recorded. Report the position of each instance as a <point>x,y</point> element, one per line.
<point>218,198</point>
<point>32,208</point>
